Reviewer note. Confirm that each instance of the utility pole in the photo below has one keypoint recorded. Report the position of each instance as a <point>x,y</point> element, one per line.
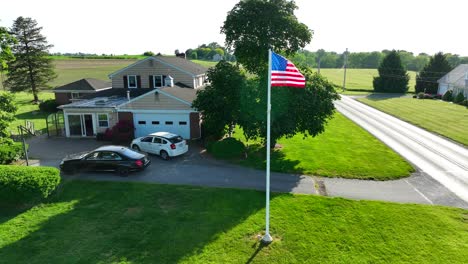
<point>345,66</point>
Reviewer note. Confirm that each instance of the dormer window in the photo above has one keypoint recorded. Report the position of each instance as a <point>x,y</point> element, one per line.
<point>157,81</point>
<point>132,81</point>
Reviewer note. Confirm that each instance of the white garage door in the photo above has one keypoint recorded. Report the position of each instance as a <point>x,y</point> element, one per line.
<point>149,123</point>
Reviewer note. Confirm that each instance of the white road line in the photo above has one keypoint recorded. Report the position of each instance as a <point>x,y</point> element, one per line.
<point>420,193</point>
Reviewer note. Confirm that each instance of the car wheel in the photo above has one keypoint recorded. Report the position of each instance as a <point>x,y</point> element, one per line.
<point>136,147</point>
<point>123,171</point>
<point>164,155</point>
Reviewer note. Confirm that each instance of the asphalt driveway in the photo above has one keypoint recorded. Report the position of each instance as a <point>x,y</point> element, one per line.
<point>198,168</point>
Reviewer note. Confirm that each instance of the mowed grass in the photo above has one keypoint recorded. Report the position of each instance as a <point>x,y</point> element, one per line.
<point>447,119</point>
<point>359,78</point>
<point>29,111</point>
<point>343,150</point>
<point>110,222</point>
<point>206,64</point>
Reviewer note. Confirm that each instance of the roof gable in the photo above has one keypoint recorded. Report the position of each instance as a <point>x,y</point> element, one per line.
<point>176,63</point>
<point>456,77</point>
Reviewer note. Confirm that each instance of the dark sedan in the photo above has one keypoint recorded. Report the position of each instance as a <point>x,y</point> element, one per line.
<point>106,158</point>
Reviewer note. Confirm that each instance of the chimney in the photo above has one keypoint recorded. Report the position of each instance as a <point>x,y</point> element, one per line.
<point>169,81</point>
<point>128,95</point>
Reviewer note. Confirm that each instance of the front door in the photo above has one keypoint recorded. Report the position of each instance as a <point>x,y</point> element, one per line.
<point>81,125</point>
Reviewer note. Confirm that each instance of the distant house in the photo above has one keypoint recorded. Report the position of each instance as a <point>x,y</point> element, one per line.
<point>155,94</point>
<point>456,80</point>
<point>217,57</point>
<point>70,92</point>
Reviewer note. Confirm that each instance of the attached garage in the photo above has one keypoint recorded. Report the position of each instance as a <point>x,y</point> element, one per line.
<point>147,123</point>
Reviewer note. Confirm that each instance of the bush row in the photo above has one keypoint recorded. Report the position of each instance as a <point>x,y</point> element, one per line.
<point>10,152</point>
<point>22,184</point>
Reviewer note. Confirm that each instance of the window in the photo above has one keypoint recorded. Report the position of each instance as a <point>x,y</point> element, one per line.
<point>169,122</point>
<point>155,122</point>
<point>105,155</point>
<point>103,120</point>
<point>147,139</point>
<point>132,81</point>
<point>157,140</point>
<point>157,81</point>
<point>92,156</point>
<point>164,141</point>
<point>142,122</point>
<point>75,95</point>
<point>182,123</point>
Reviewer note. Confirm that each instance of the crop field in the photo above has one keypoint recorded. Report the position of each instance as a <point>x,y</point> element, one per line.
<point>359,78</point>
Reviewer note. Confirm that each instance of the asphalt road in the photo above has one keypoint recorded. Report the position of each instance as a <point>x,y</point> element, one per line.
<point>435,157</point>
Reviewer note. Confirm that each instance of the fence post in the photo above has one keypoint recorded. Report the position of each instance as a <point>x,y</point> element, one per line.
<point>47,125</point>
<point>56,124</point>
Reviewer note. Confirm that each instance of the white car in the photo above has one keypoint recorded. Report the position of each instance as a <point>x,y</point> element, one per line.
<point>164,144</point>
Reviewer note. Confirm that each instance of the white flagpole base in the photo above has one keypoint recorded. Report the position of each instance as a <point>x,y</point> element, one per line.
<point>267,239</point>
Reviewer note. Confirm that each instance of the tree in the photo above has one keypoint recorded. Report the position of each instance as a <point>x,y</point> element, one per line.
<point>392,75</point>
<point>6,41</point>
<point>293,110</point>
<point>148,53</point>
<point>254,26</point>
<point>32,69</point>
<point>219,102</point>
<point>7,113</point>
<point>320,54</point>
<point>426,79</point>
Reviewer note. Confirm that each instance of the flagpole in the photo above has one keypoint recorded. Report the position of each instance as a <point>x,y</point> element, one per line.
<point>267,237</point>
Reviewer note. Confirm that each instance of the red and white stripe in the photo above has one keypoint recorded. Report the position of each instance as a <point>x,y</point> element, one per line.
<point>291,77</point>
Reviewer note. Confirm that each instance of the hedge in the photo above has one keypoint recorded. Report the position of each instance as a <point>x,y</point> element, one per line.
<point>23,184</point>
<point>49,106</point>
<point>10,152</point>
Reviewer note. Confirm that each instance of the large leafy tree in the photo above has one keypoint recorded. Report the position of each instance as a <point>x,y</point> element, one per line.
<point>254,26</point>
<point>6,40</point>
<point>32,69</point>
<point>219,102</point>
<point>393,77</point>
<point>293,110</point>
<point>426,79</point>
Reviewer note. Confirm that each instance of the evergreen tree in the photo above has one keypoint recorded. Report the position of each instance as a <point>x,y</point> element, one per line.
<point>426,80</point>
<point>392,75</point>
<point>32,69</point>
<point>6,40</point>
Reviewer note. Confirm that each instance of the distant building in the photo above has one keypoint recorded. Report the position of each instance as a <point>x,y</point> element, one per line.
<point>456,80</point>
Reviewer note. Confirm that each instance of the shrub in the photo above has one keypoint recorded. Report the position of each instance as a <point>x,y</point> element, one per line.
<point>228,148</point>
<point>421,95</point>
<point>49,106</point>
<point>465,103</point>
<point>122,132</point>
<point>10,151</point>
<point>428,96</point>
<point>23,184</point>
<point>447,96</point>
<point>459,98</point>
<point>415,96</point>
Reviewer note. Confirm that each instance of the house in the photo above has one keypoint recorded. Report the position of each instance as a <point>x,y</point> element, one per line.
<point>155,94</point>
<point>456,80</point>
<point>69,92</point>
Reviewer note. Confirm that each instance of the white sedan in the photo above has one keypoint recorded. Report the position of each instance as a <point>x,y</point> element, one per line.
<point>164,144</point>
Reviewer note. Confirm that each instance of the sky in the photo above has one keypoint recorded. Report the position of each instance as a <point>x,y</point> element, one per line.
<point>133,27</point>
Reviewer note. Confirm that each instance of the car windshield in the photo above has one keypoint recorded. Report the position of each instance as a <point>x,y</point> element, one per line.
<point>176,139</point>
<point>131,154</point>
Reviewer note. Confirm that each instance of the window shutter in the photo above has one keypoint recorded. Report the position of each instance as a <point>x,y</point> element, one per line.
<point>138,81</point>
<point>151,82</point>
<point>163,81</point>
<point>125,82</point>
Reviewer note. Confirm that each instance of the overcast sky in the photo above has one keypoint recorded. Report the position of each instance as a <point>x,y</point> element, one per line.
<point>132,27</point>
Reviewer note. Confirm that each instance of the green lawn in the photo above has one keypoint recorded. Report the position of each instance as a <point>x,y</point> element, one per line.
<point>105,222</point>
<point>29,111</point>
<point>343,150</point>
<point>359,78</point>
<point>207,64</point>
<point>447,119</point>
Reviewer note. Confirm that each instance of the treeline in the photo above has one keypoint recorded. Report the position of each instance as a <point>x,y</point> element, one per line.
<point>368,60</point>
<point>209,52</point>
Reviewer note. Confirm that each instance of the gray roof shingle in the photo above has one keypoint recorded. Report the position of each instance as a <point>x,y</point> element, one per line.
<point>87,84</point>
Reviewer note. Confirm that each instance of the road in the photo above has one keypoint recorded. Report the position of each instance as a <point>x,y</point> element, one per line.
<point>439,158</point>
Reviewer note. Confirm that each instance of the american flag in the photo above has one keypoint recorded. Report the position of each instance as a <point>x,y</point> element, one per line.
<point>284,73</point>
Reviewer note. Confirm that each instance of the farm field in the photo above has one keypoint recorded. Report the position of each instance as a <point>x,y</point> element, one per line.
<point>343,150</point>
<point>444,118</point>
<point>112,222</point>
<point>359,78</point>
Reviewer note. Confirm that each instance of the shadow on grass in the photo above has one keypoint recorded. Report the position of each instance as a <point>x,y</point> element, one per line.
<point>384,96</point>
<point>140,223</point>
<point>256,158</point>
